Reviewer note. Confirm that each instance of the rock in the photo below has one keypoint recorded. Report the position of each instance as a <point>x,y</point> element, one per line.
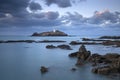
<point>43,69</point>
<point>73,54</point>
<point>50,33</point>
<point>107,43</point>
<point>50,41</point>
<point>88,43</point>
<point>87,39</point>
<point>101,70</point>
<point>50,47</point>
<point>110,37</point>
<point>112,65</point>
<point>73,69</point>
<point>82,55</point>
<point>64,46</point>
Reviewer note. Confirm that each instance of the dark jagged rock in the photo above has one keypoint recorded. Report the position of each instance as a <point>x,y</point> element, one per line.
<point>110,37</point>
<point>111,42</point>
<point>50,33</point>
<point>43,69</point>
<point>50,47</point>
<point>112,64</point>
<point>63,46</point>
<point>82,55</point>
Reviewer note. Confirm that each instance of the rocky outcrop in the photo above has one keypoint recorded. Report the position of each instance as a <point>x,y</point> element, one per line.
<point>31,41</point>
<point>87,43</point>
<point>50,33</point>
<point>117,43</point>
<point>62,46</point>
<point>43,69</point>
<point>50,47</point>
<point>110,37</point>
<point>73,54</point>
<point>82,55</point>
<point>106,64</point>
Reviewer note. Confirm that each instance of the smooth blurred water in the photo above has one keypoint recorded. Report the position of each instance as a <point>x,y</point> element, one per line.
<point>22,61</point>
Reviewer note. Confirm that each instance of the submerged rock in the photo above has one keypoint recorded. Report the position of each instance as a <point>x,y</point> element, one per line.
<point>73,69</point>
<point>43,69</point>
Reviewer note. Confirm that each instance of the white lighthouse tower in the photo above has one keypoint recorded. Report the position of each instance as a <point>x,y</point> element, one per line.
<point>54,30</point>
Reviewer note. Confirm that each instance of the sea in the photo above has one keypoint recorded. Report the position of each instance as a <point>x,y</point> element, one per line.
<point>22,61</point>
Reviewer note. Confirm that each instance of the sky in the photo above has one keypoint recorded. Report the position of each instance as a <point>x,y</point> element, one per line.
<point>23,17</point>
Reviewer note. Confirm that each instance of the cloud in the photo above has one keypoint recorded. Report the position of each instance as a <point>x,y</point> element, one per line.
<point>60,3</point>
<point>104,17</point>
<point>14,7</point>
<point>44,19</point>
<point>99,18</point>
<point>35,6</point>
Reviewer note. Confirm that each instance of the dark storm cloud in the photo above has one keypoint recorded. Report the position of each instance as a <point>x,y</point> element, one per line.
<point>2,15</point>
<point>42,19</point>
<point>9,6</point>
<point>14,7</point>
<point>60,3</point>
<point>35,6</point>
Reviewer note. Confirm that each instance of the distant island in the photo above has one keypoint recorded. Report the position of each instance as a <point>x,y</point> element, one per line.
<point>50,33</point>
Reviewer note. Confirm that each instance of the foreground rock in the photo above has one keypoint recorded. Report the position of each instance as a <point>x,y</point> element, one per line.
<point>106,64</point>
<point>50,33</point>
<point>63,46</point>
<point>82,55</point>
<point>43,69</point>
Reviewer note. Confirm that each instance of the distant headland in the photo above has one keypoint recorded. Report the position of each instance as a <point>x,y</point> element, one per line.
<point>50,33</point>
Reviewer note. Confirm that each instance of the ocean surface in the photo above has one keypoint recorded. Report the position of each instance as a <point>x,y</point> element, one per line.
<point>22,61</point>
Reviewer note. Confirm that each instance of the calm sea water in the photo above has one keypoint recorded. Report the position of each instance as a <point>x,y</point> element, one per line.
<point>22,61</point>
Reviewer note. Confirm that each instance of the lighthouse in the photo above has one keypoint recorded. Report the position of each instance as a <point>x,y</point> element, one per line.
<point>54,30</point>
